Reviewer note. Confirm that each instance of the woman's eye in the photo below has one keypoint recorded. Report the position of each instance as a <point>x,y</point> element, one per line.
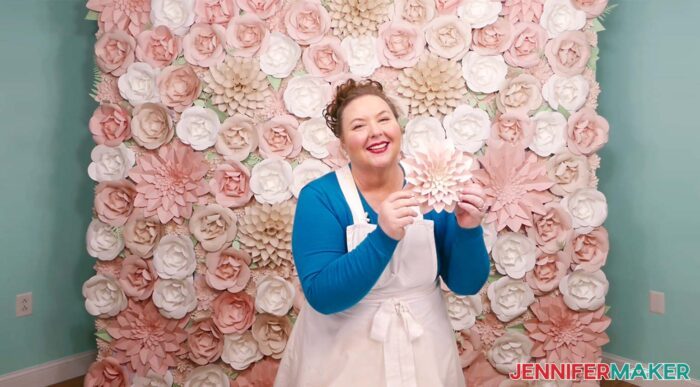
<point>384,119</point>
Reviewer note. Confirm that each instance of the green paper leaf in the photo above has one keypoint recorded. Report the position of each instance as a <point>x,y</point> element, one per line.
<point>494,277</point>
<point>176,385</point>
<point>209,105</point>
<point>299,73</point>
<point>251,160</point>
<point>194,240</point>
<point>608,10</point>
<point>544,108</point>
<point>593,59</point>
<point>92,15</point>
<point>199,102</point>
<point>254,266</point>
<point>210,155</point>
<point>519,327</point>
<point>596,25</point>
<point>274,82</point>
<point>403,121</point>
<point>607,308</point>
<point>180,60</point>
<point>294,163</point>
<point>236,244</point>
<point>103,335</point>
<point>564,112</point>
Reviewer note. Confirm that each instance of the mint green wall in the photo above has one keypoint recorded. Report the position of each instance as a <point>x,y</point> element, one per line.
<point>649,74</point>
<point>46,194</point>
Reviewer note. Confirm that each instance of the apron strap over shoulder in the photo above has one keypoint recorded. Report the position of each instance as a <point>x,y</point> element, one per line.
<point>352,197</point>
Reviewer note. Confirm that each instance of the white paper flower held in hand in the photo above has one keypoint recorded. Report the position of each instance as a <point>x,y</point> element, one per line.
<point>211,375</point>
<point>307,95</point>
<point>174,257</point>
<point>568,92</point>
<point>550,133</point>
<point>484,74</point>
<point>479,13</point>
<point>104,297</point>
<point>152,379</point>
<point>237,138</point>
<point>316,136</point>
<point>448,37</point>
<point>175,298</point>
<point>274,295</point>
<point>583,290</point>
<point>271,181</point>
<point>588,209</point>
<point>177,15</point>
<point>214,226</point>
<point>463,310</point>
<point>509,298</point>
<point>104,242</point>
<point>418,132</point>
<point>110,163</point>
<point>280,56</point>
<point>198,127</point>
<point>468,128</point>
<point>139,84</point>
<point>559,16</point>
<point>307,171</point>
<point>361,54</point>
<point>240,350</point>
<point>509,350</point>
<point>514,254</point>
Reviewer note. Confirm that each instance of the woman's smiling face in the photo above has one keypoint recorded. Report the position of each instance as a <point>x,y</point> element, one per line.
<point>370,134</point>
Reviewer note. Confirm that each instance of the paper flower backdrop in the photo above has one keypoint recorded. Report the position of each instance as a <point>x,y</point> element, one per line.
<point>209,124</point>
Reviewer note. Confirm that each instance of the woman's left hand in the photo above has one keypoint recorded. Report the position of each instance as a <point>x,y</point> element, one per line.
<point>471,207</point>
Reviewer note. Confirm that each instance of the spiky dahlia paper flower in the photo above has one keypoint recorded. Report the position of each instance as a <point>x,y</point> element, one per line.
<point>516,184</point>
<point>170,181</point>
<point>266,233</point>
<point>436,173</point>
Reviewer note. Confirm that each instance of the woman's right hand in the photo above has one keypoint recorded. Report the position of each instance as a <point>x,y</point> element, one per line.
<point>396,212</point>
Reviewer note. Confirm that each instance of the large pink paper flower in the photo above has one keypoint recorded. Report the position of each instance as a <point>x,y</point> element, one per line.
<point>125,15</point>
<point>137,277</point>
<point>203,45</point>
<point>114,201</point>
<point>158,47</point>
<point>587,132</point>
<point>106,373</point>
<point>145,339</point>
<point>280,137</point>
<point>592,8</point>
<point>246,34</point>
<point>263,9</point>
<point>215,11</point>
<point>325,59</point>
<point>589,252</point>
<point>568,53</point>
<point>400,44</point>
<point>233,312</point>
<point>553,229</point>
<point>307,21</point>
<point>523,10</point>
<point>228,270</point>
<point>512,128</point>
<point>109,125</point>
<point>170,182</point>
<point>548,271</point>
<point>529,40</point>
<point>564,336</point>
<point>494,38</point>
<point>178,87</point>
<point>261,374</point>
<point>515,182</point>
<point>114,52</point>
<point>205,342</point>
<point>231,184</point>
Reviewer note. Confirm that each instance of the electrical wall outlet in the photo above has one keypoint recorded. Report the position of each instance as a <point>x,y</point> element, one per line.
<point>23,304</point>
<point>657,303</point>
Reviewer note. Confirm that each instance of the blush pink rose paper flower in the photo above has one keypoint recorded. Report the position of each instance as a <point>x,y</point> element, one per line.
<point>158,47</point>
<point>114,52</point>
<point>109,125</point>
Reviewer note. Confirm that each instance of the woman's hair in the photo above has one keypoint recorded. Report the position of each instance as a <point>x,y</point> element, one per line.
<point>346,93</point>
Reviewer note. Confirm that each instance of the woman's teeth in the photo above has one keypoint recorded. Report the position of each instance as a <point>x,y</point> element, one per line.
<point>378,148</point>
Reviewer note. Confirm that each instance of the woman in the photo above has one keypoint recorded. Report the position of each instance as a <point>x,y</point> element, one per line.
<point>368,263</point>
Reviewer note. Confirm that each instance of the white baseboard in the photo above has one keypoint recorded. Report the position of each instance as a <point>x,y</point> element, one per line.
<point>50,373</point>
<point>619,360</point>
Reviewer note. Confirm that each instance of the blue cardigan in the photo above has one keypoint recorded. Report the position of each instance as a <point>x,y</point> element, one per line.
<point>334,279</point>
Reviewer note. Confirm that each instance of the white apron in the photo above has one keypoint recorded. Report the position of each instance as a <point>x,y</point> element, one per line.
<point>398,335</point>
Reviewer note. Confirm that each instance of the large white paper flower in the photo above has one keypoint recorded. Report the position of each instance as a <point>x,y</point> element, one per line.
<point>104,296</point>
<point>174,257</point>
<point>271,181</point>
<point>514,254</point>
<point>307,95</point>
<point>588,209</point>
<point>361,54</point>
<point>307,171</point>
<point>463,310</point>
<point>207,376</point>
<point>175,298</point>
<point>509,350</point>
<point>198,127</point>
<point>448,37</point>
<point>479,13</point>
<point>583,290</point>
<point>468,128</point>
<point>569,92</point>
<point>103,241</point>
<point>152,379</point>
<point>509,298</point>
<point>110,163</point>
<point>559,16</point>
<point>240,350</point>
<point>550,133</point>
<point>419,131</point>
<point>484,73</point>
<point>138,84</point>
<point>177,15</point>
<point>274,295</point>
<point>281,55</point>
<point>316,136</point>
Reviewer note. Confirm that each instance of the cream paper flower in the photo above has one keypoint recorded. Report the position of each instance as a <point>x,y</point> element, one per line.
<point>271,333</point>
<point>509,298</point>
<point>271,180</point>
<point>550,133</point>
<point>266,234</point>
<point>307,96</point>
<point>514,254</point>
<point>274,295</point>
<point>583,290</point>
<point>361,54</point>
<point>559,16</point>
<point>214,226</point>
<point>449,37</point>
<point>588,209</point>
<point>240,350</point>
<point>207,376</point>
<point>104,296</point>
<point>152,379</point>
<point>316,136</point>
<point>418,12</point>
<point>463,310</point>
<point>357,17</point>
<point>142,234</point>
<point>280,56</point>
<point>237,138</point>
<point>307,171</point>
<point>418,132</point>
<point>479,13</point>
<point>138,85</point>
<point>174,257</point>
<point>571,93</point>
<point>198,127</point>
<point>484,74</point>
<point>237,86</point>
<point>175,298</point>
<point>103,241</point>
<point>509,350</point>
<point>111,163</point>
<point>569,172</point>
<point>177,15</point>
<point>468,128</point>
